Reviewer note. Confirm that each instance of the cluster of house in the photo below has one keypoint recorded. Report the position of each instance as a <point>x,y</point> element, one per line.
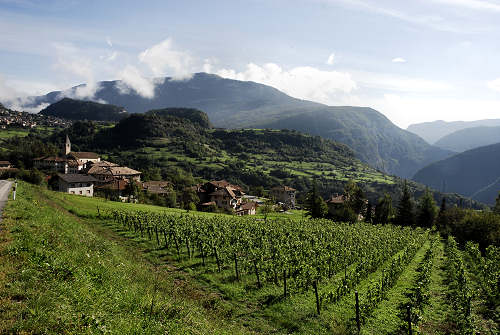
<point>5,165</point>
<point>6,168</point>
<point>81,172</point>
<point>223,194</point>
<point>13,119</point>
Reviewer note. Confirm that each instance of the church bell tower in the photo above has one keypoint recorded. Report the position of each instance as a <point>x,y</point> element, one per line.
<point>67,147</point>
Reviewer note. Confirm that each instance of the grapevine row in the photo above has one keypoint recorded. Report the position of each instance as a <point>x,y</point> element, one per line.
<point>460,293</point>
<point>297,256</point>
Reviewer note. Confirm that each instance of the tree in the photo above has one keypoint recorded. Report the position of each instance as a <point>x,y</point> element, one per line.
<point>442,219</point>
<point>343,214</point>
<point>426,210</point>
<point>132,190</point>
<point>383,210</point>
<point>369,213</point>
<point>496,208</point>
<point>355,198</point>
<point>405,214</point>
<point>171,199</point>
<point>189,197</point>
<point>267,208</point>
<point>315,206</point>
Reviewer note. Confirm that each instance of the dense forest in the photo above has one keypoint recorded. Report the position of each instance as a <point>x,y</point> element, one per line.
<point>84,110</point>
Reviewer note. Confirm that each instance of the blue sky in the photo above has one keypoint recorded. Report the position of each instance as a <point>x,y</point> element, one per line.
<point>414,61</point>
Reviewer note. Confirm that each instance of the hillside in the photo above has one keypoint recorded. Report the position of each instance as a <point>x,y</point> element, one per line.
<point>129,268</point>
<point>62,274</point>
<point>84,110</point>
<point>433,131</point>
<point>473,173</point>
<point>171,144</point>
<point>469,138</point>
<point>238,104</point>
<point>370,134</point>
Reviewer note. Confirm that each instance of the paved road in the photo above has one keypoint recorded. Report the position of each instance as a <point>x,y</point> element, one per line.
<point>4,194</point>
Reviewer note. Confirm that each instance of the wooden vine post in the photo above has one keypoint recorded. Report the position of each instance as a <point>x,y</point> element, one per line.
<point>408,310</point>
<point>315,285</point>
<point>358,321</point>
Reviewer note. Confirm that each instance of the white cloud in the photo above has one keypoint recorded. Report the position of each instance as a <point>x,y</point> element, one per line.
<point>494,85</point>
<point>390,82</point>
<point>398,60</point>
<point>133,79</point>
<point>72,62</point>
<point>20,104</point>
<point>432,21</point>
<point>331,59</point>
<point>15,94</point>
<point>473,4</point>
<point>163,59</point>
<point>303,82</point>
<point>108,42</point>
<point>7,92</point>
<point>111,56</point>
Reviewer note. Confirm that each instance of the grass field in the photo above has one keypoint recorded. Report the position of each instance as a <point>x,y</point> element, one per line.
<point>8,133</point>
<point>65,269</point>
<point>61,274</point>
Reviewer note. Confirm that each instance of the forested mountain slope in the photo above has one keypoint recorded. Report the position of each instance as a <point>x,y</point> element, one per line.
<point>71,109</point>
<point>474,173</point>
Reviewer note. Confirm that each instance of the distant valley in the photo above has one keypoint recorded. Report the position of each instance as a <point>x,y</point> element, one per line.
<point>469,138</point>
<point>432,132</point>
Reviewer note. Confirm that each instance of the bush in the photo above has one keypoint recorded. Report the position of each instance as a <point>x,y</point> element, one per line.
<point>31,176</point>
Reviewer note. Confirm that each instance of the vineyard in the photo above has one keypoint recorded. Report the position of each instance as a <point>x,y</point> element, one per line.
<point>82,265</point>
<point>347,271</point>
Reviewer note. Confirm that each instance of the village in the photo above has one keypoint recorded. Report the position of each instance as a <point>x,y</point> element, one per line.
<point>86,174</point>
<point>12,119</point>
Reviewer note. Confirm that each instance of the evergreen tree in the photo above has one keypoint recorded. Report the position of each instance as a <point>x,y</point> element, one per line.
<point>383,210</point>
<point>315,206</point>
<point>441,220</point>
<point>355,198</point>
<point>496,208</point>
<point>426,210</point>
<point>368,214</point>
<point>405,214</point>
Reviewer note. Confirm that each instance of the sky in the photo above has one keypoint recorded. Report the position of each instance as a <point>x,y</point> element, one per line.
<point>414,61</point>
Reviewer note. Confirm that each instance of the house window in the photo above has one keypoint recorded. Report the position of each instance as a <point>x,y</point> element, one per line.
<point>88,191</point>
<point>81,192</point>
<point>72,192</point>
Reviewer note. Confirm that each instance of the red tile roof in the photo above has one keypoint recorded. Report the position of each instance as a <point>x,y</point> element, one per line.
<point>84,155</point>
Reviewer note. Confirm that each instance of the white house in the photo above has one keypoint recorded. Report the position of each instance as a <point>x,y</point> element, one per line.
<point>80,184</point>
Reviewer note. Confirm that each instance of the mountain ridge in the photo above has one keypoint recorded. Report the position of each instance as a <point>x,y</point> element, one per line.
<point>473,173</point>
<point>243,104</point>
<point>435,130</point>
<point>470,138</point>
